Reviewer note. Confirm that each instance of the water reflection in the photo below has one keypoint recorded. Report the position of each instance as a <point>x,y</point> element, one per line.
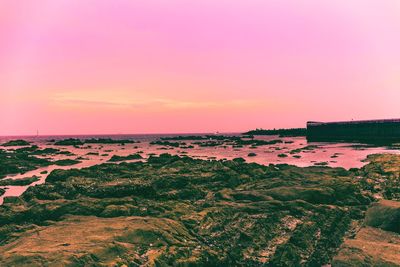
<point>293,150</point>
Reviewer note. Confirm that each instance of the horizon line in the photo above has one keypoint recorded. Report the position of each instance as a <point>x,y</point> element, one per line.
<point>113,134</point>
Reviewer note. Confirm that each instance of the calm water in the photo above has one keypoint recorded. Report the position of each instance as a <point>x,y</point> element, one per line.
<point>335,154</point>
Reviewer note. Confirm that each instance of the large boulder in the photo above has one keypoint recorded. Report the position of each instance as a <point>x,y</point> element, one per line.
<point>385,215</point>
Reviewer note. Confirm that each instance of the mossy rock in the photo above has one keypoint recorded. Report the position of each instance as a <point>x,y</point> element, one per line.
<point>66,162</point>
<point>16,143</point>
<point>385,215</point>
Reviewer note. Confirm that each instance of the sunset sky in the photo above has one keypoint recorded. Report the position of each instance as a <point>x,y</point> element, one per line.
<point>176,66</point>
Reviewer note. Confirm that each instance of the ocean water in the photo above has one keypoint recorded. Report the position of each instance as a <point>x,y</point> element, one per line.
<point>346,155</point>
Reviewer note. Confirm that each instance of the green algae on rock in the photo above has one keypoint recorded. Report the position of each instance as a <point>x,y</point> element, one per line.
<point>385,215</point>
<point>69,142</point>
<point>34,150</point>
<point>116,158</point>
<point>13,162</point>
<point>19,182</point>
<point>16,143</point>
<point>66,162</point>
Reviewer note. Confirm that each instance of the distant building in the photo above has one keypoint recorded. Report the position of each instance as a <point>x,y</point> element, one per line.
<point>379,131</point>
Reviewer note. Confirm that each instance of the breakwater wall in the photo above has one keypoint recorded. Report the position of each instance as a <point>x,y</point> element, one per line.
<point>376,131</point>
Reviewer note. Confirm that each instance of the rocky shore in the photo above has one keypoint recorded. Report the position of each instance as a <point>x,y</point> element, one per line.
<point>172,210</point>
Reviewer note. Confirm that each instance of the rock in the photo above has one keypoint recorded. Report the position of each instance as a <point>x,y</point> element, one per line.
<point>385,215</point>
<point>170,210</point>
<point>19,182</point>
<point>66,162</point>
<point>16,143</point>
<point>116,158</point>
<point>69,142</point>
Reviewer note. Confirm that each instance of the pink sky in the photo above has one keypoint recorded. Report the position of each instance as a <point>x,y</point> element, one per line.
<point>163,66</point>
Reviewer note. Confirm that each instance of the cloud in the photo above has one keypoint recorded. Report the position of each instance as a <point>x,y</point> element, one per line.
<point>110,100</point>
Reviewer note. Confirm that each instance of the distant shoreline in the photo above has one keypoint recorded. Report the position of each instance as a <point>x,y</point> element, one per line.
<point>289,132</point>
